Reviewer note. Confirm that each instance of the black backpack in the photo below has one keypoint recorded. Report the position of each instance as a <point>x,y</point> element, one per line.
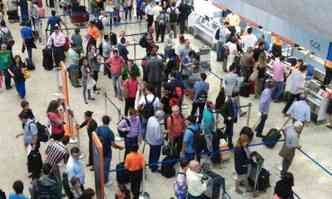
<point>143,41</point>
<point>113,39</point>
<point>148,109</point>
<point>123,134</point>
<point>43,133</point>
<point>173,16</point>
<point>199,142</point>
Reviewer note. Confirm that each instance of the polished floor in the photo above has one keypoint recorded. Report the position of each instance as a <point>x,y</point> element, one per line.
<point>311,181</point>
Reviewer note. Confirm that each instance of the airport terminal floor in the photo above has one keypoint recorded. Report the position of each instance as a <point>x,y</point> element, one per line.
<point>311,167</point>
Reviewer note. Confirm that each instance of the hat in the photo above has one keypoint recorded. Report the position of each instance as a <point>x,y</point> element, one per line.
<point>88,113</point>
<point>298,124</point>
<point>175,108</point>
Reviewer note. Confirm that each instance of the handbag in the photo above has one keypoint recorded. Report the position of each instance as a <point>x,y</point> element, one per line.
<point>26,73</point>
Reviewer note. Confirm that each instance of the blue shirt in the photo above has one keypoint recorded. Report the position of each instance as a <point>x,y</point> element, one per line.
<point>106,137</point>
<point>188,138</point>
<point>15,196</point>
<point>75,168</point>
<point>26,32</point>
<point>300,111</point>
<point>52,20</point>
<point>200,86</point>
<point>265,101</point>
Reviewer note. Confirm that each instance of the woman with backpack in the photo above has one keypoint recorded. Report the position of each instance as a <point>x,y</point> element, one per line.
<point>16,71</point>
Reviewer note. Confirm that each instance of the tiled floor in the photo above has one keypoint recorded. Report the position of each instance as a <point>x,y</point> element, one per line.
<point>310,180</point>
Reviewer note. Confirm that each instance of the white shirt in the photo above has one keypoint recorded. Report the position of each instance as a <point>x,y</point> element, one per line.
<point>156,11</point>
<point>154,134</point>
<point>296,82</point>
<point>300,111</point>
<point>195,185</point>
<point>149,97</point>
<point>148,9</point>
<point>74,168</point>
<point>249,40</point>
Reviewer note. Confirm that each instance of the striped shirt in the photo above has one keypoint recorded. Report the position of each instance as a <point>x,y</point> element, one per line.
<point>56,152</point>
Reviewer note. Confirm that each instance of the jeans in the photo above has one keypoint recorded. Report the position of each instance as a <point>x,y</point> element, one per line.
<point>229,132</point>
<point>160,31</point>
<point>107,166</point>
<point>260,127</point>
<point>128,12</point>
<point>129,142</point>
<point>129,103</point>
<point>278,90</point>
<point>154,156</point>
<point>116,85</point>
<point>20,88</point>
<point>189,156</point>
<point>182,25</point>
<point>135,182</point>
<point>86,90</point>
<point>177,143</point>
<point>290,100</point>
<point>139,14</point>
<point>286,163</point>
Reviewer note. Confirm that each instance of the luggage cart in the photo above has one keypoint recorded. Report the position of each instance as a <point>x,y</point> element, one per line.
<point>256,168</point>
<point>215,184</point>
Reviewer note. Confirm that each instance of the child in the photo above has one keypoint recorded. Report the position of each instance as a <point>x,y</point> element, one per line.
<point>264,105</point>
<point>35,162</point>
<point>18,188</point>
<point>26,108</point>
<point>180,186</point>
<point>123,192</point>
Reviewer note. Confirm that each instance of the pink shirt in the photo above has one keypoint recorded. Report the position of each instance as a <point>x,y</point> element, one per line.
<point>116,63</point>
<point>278,71</point>
<point>58,39</point>
<point>132,86</point>
<point>56,128</point>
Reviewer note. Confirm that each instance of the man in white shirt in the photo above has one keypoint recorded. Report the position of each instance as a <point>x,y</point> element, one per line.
<point>249,40</point>
<point>300,110</point>
<point>196,185</point>
<point>149,13</point>
<point>287,152</point>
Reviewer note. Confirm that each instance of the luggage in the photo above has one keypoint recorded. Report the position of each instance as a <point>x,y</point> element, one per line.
<point>263,180</point>
<point>48,62</point>
<point>113,39</point>
<point>79,17</point>
<point>122,174</point>
<point>35,163</point>
<point>215,185</point>
<point>43,133</point>
<point>272,138</point>
<point>216,156</point>
<point>167,167</point>
<point>245,89</point>
<point>13,16</point>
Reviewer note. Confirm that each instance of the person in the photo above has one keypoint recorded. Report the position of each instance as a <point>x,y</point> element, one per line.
<point>241,163</point>
<point>284,187</point>
<point>16,71</point>
<point>87,80</point>
<point>180,185</point>
<point>122,48</point>
<point>247,64</point>
<point>106,47</point>
<point>195,180</point>
<point>260,66</point>
<point>258,50</point>
<point>139,9</point>
<point>184,49</point>
<point>169,44</point>
<point>222,38</point>
<point>173,13</point>
<point>296,81</point>
<point>47,186</point>
<point>175,128</point>
<point>106,136</point>
<point>300,110</point>
<point>123,192</point>
<point>292,135</point>
<point>88,194</point>
<point>56,120</point>
<point>4,64</point>
<point>328,75</point>
<point>91,125</point>
<point>94,59</point>
<point>154,137</point>
<point>230,116</point>
<point>208,125</point>
<point>148,10</point>
<point>28,40</point>
<point>53,21</point>
<point>74,167</point>
<point>160,17</point>
<point>57,40</point>
<point>147,100</point>
<point>200,92</point>
<point>77,42</point>
<point>26,109</point>
<point>188,151</point>
<point>264,106</point>
<point>18,187</point>
<point>36,18</point>
<point>128,7</point>
<point>130,88</point>
<point>249,40</point>
<point>135,163</point>
<point>116,64</point>
<point>30,131</point>
<point>232,82</point>
<point>154,71</point>
<point>24,10</point>
<point>132,126</point>
<point>73,58</point>
<point>278,70</point>
<point>233,51</point>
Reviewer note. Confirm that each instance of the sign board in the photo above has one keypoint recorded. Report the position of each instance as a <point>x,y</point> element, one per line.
<point>98,164</point>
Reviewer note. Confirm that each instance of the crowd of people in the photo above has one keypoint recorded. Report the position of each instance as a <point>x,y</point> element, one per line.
<point>153,94</point>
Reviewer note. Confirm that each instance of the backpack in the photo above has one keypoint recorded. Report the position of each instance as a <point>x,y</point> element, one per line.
<point>148,109</point>
<point>199,140</point>
<point>173,16</point>
<point>143,41</point>
<point>123,134</point>
<point>113,39</point>
<point>43,133</point>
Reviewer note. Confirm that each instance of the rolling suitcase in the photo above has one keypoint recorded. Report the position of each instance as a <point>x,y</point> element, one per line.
<point>122,174</point>
<point>167,167</point>
<point>215,185</point>
<point>272,138</point>
<point>48,62</point>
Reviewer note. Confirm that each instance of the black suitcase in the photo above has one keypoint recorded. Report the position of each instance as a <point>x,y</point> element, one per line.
<point>13,15</point>
<point>263,181</point>
<point>245,89</point>
<point>215,185</point>
<point>272,138</point>
<point>167,168</point>
<point>35,163</point>
<point>48,62</point>
<point>122,174</point>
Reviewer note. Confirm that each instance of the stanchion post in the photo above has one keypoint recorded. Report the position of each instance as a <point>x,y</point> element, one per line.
<point>249,112</point>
